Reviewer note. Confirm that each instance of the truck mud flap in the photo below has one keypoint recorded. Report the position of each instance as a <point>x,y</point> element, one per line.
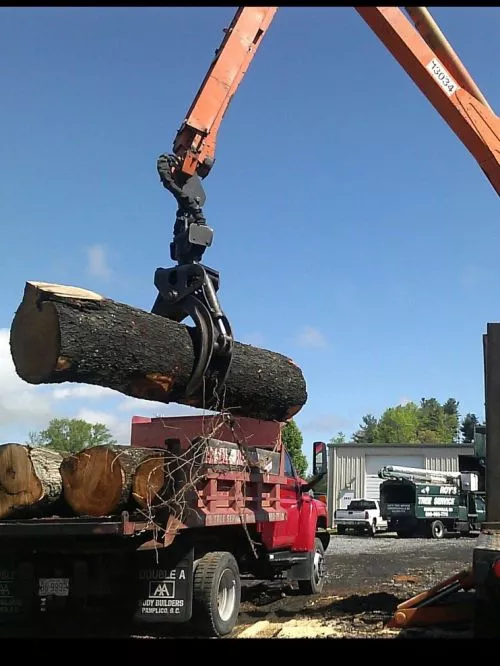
<point>165,584</point>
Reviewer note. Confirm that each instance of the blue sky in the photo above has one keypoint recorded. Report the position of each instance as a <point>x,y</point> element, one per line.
<point>353,231</point>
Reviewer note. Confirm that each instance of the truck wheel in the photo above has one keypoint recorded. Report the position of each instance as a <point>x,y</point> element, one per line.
<point>317,579</point>
<point>341,529</point>
<point>216,594</point>
<point>438,530</point>
<point>372,529</point>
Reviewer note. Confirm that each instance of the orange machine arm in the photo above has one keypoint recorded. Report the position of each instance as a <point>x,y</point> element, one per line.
<point>426,57</point>
<point>442,78</point>
<point>189,288</point>
<point>195,141</point>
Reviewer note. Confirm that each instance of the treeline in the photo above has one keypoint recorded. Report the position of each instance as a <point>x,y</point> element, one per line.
<point>428,422</point>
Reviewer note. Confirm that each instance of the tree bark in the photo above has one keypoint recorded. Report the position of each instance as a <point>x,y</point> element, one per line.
<point>102,480</point>
<point>66,334</point>
<point>30,481</point>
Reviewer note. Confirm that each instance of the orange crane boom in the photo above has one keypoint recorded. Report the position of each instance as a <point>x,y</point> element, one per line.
<point>421,49</point>
<point>443,79</point>
<point>196,140</point>
<point>189,289</point>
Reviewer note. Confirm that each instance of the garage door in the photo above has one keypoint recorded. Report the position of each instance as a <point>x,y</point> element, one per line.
<point>374,463</point>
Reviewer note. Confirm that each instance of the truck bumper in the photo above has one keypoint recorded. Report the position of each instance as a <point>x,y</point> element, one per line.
<point>351,525</point>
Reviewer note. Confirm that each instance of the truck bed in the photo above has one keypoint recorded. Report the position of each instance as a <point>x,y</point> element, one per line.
<point>78,526</point>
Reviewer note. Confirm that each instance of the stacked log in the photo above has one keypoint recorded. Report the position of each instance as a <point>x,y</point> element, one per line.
<point>102,480</point>
<point>97,481</point>
<point>29,479</point>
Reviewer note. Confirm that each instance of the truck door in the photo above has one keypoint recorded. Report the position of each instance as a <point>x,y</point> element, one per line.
<point>285,532</point>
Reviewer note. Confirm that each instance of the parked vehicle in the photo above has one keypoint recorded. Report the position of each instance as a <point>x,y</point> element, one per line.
<point>363,516</point>
<point>421,502</point>
<point>250,514</point>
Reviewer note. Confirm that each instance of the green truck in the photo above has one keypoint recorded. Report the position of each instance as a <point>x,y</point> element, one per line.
<point>422,502</point>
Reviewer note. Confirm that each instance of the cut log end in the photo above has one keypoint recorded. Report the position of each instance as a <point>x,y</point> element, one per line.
<point>148,482</point>
<point>93,481</point>
<point>28,477</point>
<point>39,354</point>
<point>38,318</point>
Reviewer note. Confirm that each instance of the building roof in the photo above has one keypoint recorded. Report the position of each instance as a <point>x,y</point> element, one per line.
<point>422,445</point>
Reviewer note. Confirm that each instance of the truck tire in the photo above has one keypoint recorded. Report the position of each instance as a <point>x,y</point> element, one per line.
<point>438,530</point>
<point>340,529</point>
<point>372,529</point>
<point>315,583</point>
<point>216,594</point>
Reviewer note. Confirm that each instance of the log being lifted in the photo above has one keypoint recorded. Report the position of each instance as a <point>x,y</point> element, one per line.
<point>29,479</point>
<point>102,480</point>
<point>67,334</point>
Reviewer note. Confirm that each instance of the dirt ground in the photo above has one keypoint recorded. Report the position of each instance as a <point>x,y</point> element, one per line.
<point>366,578</point>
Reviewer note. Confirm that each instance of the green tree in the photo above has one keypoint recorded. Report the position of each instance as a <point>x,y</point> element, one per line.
<point>429,422</point>
<point>469,422</point>
<point>438,423</point>
<point>339,438</point>
<point>451,421</point>
<point>398,425</point>
<point>367,432</point>
<point>293,441</point>
<point>71,435</point>
<point>321,488</point>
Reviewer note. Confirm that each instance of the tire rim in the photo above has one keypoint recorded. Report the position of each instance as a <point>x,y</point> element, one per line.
<point>226,595</point>
<point>438,532</point>
<point>318,567</point>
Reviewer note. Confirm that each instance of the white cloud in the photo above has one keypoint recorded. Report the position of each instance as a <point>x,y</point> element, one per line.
<point>311,337</point>
<point>25,407</point>
<point>136,406</point>
<point>86,391</point>
<point>120,428</point>
<point>119,420</point>
<point>97,262</point>
<point>404,401</point>
<point>20,403</point>
<point>326,423</point>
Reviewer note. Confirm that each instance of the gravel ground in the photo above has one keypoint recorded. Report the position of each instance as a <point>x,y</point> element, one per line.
<point>366,578</point>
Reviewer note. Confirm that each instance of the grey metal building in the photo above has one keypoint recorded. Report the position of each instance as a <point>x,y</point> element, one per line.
<point>353,468</point>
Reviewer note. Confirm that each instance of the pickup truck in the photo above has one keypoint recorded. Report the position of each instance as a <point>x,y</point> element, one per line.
<point>361,516</point>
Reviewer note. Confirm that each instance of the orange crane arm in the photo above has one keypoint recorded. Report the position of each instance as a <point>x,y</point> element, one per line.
<point>189,288</point>
<point>196,139</point>
<point>442,78</point>
<point>420,49</point>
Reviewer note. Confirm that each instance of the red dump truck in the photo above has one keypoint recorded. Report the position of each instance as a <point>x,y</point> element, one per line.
<point>249,516</point>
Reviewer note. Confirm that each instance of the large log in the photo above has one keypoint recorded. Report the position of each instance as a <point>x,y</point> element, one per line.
<point>102,480</point>
<point>30,481</point>
<point>67,334</point>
